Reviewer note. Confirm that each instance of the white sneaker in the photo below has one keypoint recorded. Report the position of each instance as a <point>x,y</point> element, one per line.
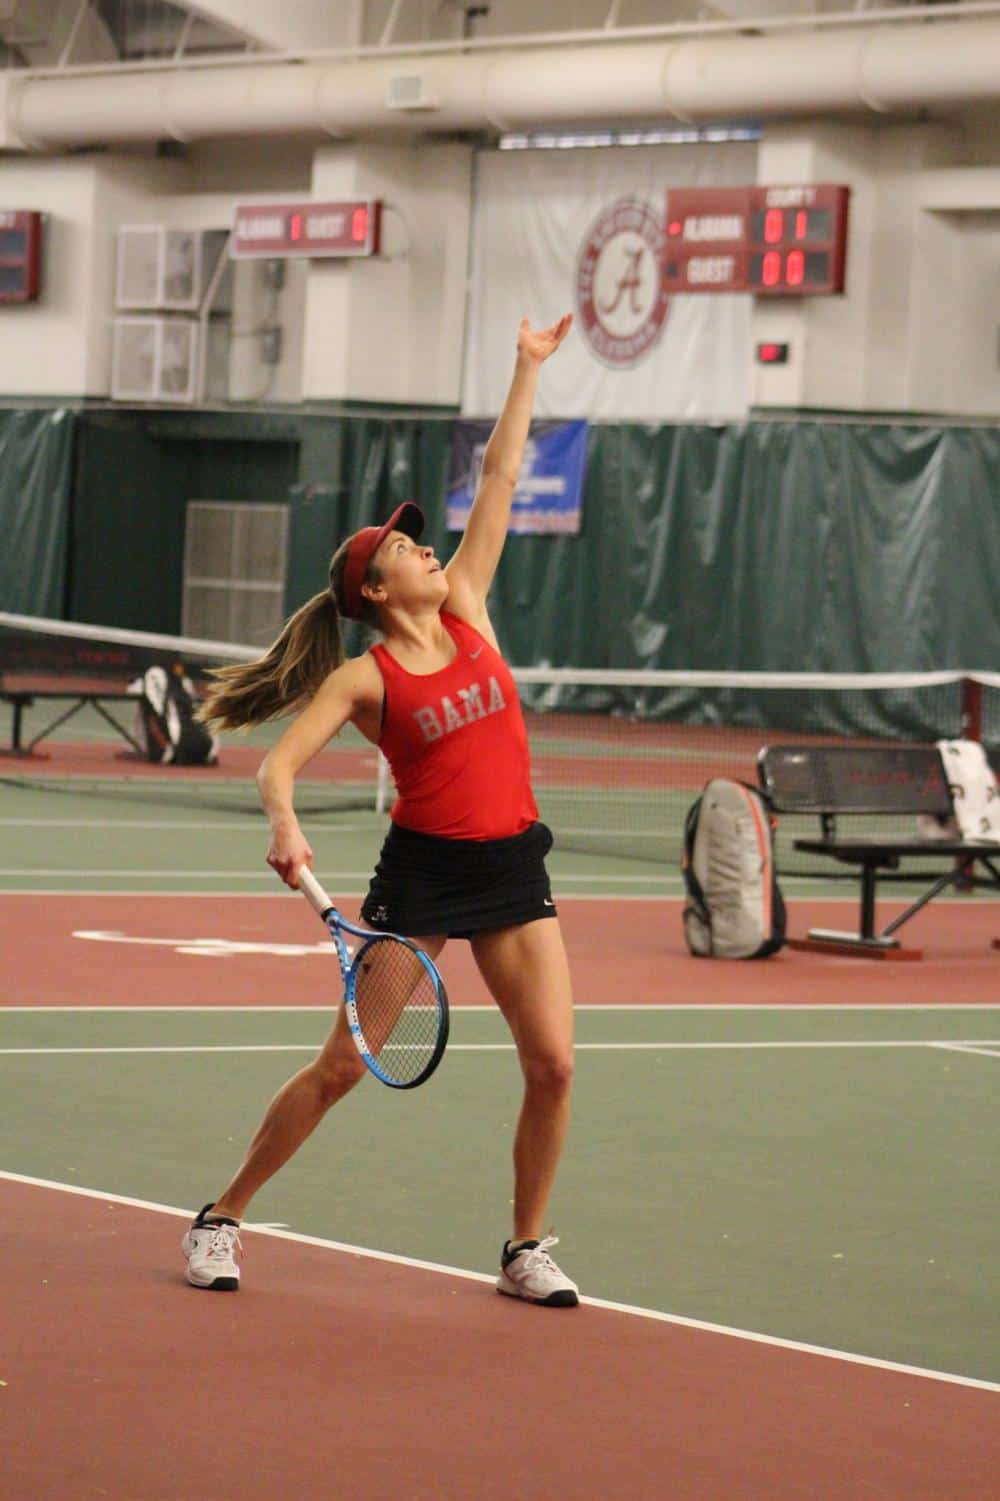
<point>530,1273</point>
<point>211,1254</point>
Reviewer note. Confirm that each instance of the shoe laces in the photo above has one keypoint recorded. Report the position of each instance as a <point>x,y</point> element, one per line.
<point>225,1240</point>
<point>538,1256</point>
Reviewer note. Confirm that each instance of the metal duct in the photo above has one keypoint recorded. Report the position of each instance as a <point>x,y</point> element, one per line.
<point>906,66</point>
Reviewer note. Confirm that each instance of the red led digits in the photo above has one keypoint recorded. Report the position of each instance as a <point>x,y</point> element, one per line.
<point>795,268</point>
<point>774,226</point>
<point>770,273</point>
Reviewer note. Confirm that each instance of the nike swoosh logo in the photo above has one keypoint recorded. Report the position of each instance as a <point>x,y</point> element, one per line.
<point>474,654</point>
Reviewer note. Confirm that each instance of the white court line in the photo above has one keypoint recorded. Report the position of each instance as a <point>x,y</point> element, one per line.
<point>559,878</point>
<point>508,1047</point>
<point>456,1010</point>
<point>751,1336</point>
<point>175,875</point>
<point>261,875</point>
<point>658,897</point>
<point>237,825</point>
<point>985,1050</point>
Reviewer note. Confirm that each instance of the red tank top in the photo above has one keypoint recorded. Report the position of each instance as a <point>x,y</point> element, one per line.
<point>456,742</point>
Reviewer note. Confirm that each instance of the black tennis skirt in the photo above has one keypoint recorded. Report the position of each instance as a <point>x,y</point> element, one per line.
<point>424,885</point>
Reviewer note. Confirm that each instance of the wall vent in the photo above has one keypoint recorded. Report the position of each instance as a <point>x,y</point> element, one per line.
<point>235,560</point>
<point>154,359</point>
<point>158,268</point>
<point>410,91</point>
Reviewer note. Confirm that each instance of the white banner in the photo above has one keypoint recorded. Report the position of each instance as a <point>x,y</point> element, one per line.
<point>579,230</point>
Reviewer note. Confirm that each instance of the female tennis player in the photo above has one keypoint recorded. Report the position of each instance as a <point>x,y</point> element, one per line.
<point>464,856</point>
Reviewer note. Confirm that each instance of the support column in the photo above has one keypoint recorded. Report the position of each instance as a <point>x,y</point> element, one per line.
<point>391,328</point>
<point>852,352</point>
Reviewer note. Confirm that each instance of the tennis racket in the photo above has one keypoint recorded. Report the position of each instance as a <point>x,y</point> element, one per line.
<point>396,1003</point>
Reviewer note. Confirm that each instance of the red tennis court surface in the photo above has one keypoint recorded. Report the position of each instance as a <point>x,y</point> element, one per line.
<point>332,1374</point>
<point>625,951</point>
<point>568,751</point>
<point>112,762</point>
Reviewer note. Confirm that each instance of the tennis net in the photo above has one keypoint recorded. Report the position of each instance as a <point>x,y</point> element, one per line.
<point>72,723</point>
<point>617,757</point>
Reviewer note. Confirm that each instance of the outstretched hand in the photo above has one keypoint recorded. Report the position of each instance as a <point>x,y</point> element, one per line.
<point>538,344</point>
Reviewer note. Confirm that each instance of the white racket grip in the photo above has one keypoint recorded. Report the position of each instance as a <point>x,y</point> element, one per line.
<point>313,891</point>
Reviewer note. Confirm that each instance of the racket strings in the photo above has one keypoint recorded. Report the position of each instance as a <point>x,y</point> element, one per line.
<point>397,1008</point>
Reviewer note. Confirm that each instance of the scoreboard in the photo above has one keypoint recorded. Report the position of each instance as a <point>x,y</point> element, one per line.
<point>778,241</point>
<point>276,230</point>
<point>20,255</point>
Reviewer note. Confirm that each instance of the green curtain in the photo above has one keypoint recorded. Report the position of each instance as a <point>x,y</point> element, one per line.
<point>354,471</point>
<point>785,546</point>
<point>767,546</point>
<point>135,473</point>
<point>772,545</point>
<point>36,457</point>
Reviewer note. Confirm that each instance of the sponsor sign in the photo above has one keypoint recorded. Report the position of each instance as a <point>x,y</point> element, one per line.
<point>549,492</point>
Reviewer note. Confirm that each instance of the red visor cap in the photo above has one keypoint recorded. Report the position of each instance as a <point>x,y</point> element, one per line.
<point>406,518</point>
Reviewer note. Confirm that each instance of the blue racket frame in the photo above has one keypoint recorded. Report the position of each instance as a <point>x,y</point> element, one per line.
<point>337,926</point>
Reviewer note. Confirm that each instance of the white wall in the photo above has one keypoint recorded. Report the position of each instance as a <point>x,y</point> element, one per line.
<point>215,177</point>
<point>870,349</point>
<point>60,345</point>
<point>257,306</point>
<point>390,329</point>
<point>981,136</point>
<point>953,355</point>
<point>918,328</point>
<point>43,345</point>
<point>387,329</point>
<point>126,190</point>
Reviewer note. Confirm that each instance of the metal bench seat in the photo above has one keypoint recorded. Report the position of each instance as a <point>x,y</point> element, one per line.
<point>833,780</point>
<point>21,691</point>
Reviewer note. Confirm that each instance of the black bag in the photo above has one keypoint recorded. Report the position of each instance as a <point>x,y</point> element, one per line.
<point>166,719</point>
<point>735,909</point>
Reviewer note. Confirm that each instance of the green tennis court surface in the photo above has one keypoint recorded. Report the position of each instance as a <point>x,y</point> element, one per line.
<point>615,791</point>
<point>108,835</point>
<point>821,1176</point>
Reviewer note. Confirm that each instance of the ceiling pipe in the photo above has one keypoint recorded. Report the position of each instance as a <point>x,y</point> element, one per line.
<point>931,65</point>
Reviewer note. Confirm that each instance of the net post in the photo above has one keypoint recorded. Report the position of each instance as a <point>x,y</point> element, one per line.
<point>972,709</point>
<point>972,729</point>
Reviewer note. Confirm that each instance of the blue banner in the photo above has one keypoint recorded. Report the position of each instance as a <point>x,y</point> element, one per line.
<point>549,493</point>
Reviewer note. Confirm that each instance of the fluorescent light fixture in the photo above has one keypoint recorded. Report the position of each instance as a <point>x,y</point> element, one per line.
<point>680,135</point>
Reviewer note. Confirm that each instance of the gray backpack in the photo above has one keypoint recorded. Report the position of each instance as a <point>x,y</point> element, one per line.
<point>734,907</point>
<point>166,723</point>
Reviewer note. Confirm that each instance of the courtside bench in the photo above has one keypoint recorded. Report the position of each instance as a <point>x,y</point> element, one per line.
<point>22,690</point>
<point>832,780</point>
<point>42,660</point>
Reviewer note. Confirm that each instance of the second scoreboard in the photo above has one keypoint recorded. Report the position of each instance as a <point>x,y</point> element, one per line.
<point>777,241</point>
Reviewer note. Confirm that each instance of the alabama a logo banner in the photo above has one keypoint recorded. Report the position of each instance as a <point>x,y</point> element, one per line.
<point>582,229</point>
<point>620,302</point>
<point>549,492</point>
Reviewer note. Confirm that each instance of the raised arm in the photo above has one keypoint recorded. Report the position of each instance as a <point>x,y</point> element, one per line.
<point>355,686</point>
<point>471,569</point>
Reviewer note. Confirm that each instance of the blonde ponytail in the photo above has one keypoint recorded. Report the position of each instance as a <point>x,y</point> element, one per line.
<point>303,656</point>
